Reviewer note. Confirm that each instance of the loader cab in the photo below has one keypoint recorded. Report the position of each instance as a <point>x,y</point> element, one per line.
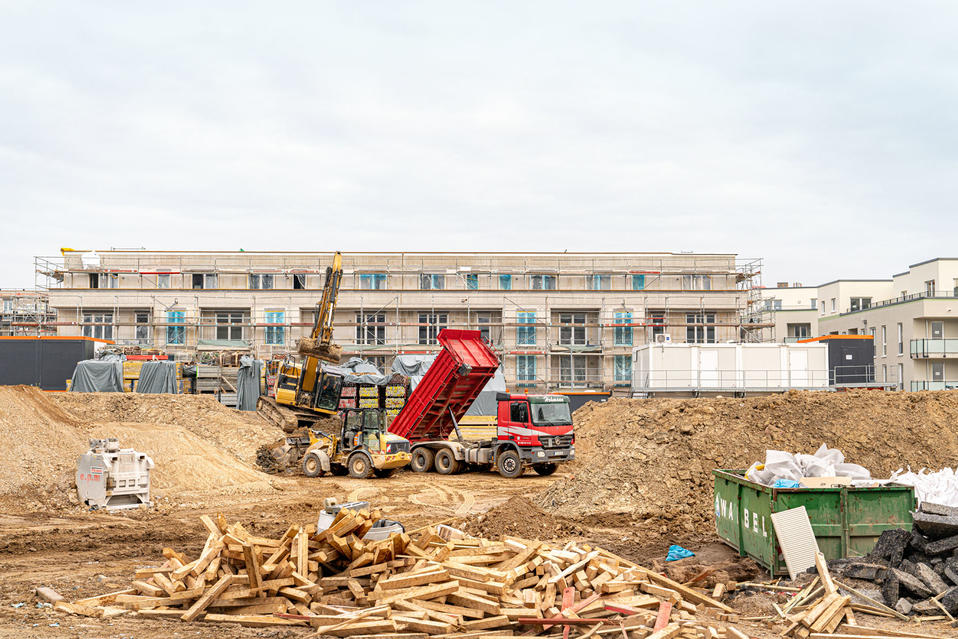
<point>364,428</point>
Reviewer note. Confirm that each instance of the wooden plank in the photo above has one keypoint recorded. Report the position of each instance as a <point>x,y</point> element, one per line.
<point>409,580</point>
<point>687,593</point>
<point>662,618</point>
<point>668,631</point>
<point>252,621</point>
<point>449,609</point>
<point>424,592</point>
<point>468,600</point>
<point>823,573</point>
<point>866,630</point>
<point>214,591</point>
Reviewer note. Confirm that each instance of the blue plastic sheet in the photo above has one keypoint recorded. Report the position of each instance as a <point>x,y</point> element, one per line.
<point>677,552</point>
<point>785,483</point>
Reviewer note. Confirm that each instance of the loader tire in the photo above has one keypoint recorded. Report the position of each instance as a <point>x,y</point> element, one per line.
<point>384,472</point>
<point>359,466</point>
<point>312,467</point>
<point>421,461</point>
<point>446,463</point>
<point>545,469</point>
<point>509,465</point>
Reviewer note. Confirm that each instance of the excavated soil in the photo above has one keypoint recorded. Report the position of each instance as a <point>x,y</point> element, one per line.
<point>198,445</point>
<point>647,463</point>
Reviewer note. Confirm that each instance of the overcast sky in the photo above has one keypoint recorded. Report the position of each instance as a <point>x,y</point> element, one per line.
<point>820,136</point>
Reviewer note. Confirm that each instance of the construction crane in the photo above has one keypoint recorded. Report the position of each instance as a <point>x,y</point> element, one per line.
<point>306,391</point>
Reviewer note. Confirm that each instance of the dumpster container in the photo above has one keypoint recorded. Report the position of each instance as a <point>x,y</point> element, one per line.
<point>847,521</point>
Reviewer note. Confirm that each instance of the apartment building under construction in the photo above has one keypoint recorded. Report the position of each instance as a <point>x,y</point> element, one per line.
<point>558,320</point>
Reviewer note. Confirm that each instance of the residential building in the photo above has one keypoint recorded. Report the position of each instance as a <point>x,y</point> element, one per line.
<point>913,317</point>
<point>557,320</point>
<point>24,312</point>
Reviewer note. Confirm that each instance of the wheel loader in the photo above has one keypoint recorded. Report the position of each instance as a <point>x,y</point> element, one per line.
<point>361,449</point>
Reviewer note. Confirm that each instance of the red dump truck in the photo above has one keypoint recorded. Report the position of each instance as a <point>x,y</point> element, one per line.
<point>531,430</point>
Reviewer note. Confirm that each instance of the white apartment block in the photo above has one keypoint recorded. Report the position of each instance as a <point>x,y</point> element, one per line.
<point>913,317</point>
<point>557,320</point>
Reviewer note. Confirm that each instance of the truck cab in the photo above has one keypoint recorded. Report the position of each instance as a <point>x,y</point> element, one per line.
<point>540,429</point>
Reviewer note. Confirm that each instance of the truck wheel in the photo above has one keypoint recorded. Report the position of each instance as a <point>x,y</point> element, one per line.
<point>384,472</point>
<point>421,461</point>
<point>509,465</point>
<point>446,463</point>
<point>312,467</point>
<point>545,469</point>
<point>359,466</point>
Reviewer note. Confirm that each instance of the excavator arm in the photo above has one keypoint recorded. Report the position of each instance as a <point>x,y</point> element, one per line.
<point>319,343</point>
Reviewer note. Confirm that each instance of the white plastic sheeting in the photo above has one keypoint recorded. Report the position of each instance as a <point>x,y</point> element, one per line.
<point>826,462</point>
<point>939,487</point>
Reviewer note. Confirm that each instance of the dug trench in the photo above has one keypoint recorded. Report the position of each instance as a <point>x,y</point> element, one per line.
<point>641,481</point>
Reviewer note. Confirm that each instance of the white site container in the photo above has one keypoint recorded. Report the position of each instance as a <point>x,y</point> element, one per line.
<point>731,367</point>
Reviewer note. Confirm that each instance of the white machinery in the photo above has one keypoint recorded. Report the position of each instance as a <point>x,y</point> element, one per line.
<point>381,529</point>
<point>113,478</point>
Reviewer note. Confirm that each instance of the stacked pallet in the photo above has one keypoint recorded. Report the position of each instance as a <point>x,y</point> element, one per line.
<point>411,586</point>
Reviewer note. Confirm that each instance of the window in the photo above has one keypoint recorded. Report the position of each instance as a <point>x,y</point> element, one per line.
<point>623,368</point>
<point>431,281</point>
<point>526,335</point>
<point>526,368</point>
<point>798,331</point>
<point>901,376</point>
<point>377,281</point>
<point>696,282</point>
<point>484,319</point>
<point>429,326</point>
<point>937,330</point>
<point>505,282</point>
<point>884,372</point>
<point>833,305</point>
<point>371,328</point>
<point>519,412</point>
<point>955,291</point>
<point>299,281</point>
<point>901,342</point>
<point>695,334</point>
<point>261,281</point>
<point>638,282</point>
<point>598,282</point>
<point>163,280</point>
<point>229,325</point>
<point>94,280</point>
<point>472,282</point>
<point>813,304</point>
<point>622,335</point>
<point>938,371</point>
<point>98,325</point>
<point>572,335</point>
<point>276,334</point>
<point>873,332</point>
<point>175,335</point>
<point>657,321</point>
<point>930,288</point>
<point>542,282</point>
<point>884,340</point>
<point>860,303</point>
<point>142,328</point>
<point>204,280</point>
<point>8,305</point>
<point>104,280</point>
<point>572,368</point>
<point>821,306</point>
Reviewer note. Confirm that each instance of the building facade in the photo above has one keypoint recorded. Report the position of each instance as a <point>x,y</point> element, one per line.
<point>913,317</point>
<point>25,313</point>
<point>557,320</point>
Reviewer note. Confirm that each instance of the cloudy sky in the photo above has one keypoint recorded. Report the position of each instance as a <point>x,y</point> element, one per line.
<point>820,136</point>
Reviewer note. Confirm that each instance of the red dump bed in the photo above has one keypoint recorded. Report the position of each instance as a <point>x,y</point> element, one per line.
<point>454,380</point>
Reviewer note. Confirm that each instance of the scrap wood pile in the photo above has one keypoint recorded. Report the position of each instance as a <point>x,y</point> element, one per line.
<point>822,611</point>
<point>412,585</point>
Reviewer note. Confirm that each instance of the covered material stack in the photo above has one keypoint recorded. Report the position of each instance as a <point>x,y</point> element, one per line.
<point>248,383</point>
<point>98,376</point>
<point>157,376</point>
<point>419,584</point>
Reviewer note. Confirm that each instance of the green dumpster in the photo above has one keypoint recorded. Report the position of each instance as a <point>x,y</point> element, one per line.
<point>847,521</point>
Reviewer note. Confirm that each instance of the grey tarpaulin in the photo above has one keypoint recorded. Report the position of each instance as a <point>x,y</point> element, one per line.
<point>157,376</point>
<point>247,383</point>
<point>360,371</point>
<point>98,376</point>
<point>415,366</point>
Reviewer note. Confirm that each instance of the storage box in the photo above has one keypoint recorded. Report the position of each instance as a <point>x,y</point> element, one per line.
<point>347,403</point>
<point>369,391</point>
<point>369,402</point>
<point>349,390</point>
<point>847,520</point>
<point>396,390</point>
<point>395,402</point>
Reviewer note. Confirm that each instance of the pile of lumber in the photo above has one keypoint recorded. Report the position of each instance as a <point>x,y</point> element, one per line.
<point>821,610</point>
<point>412,585</point>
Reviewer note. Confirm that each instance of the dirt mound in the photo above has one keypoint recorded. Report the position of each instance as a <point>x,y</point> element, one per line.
<point>521,518</point>
<point>197,444</point>
<point>647,462</point>
<point>238,432</point>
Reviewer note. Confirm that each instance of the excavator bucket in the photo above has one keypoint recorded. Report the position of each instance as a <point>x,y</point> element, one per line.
<point>327,352</point>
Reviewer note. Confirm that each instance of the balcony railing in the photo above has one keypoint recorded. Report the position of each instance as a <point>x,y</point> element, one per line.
<point>928,385</point>
<point>911,297</point>
<point>925,348</point>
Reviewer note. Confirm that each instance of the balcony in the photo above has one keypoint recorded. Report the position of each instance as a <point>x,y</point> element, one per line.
<point>927,385</point>
<point>934,348</point>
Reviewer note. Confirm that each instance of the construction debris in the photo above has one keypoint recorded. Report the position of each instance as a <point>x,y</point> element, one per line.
<point>418,584</point>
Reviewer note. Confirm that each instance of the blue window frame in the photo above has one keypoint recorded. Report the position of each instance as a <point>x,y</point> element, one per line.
<point>431,281</point>
<point>623,368</point>
<point>526,335</point>
<point>275,334</point>
<point>542,282</point>
<point>175,335</point>
<point>622,335</point>
<point>638,282</point>
<point>372,281</point>
<point>472,282</point>
<point>505,282</point>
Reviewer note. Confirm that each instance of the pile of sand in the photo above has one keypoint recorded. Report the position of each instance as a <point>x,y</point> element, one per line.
<point>198,445</point>
<point>647,463</point>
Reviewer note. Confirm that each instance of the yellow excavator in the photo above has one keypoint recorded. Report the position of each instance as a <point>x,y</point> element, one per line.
<point>305,391</point>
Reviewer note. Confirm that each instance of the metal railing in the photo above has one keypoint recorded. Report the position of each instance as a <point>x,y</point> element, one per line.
<point>909,298</point>
<point>928,385</point>
<point>923,348</point>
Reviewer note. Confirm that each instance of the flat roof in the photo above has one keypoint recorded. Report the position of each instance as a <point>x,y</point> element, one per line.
<point>348,252</point>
